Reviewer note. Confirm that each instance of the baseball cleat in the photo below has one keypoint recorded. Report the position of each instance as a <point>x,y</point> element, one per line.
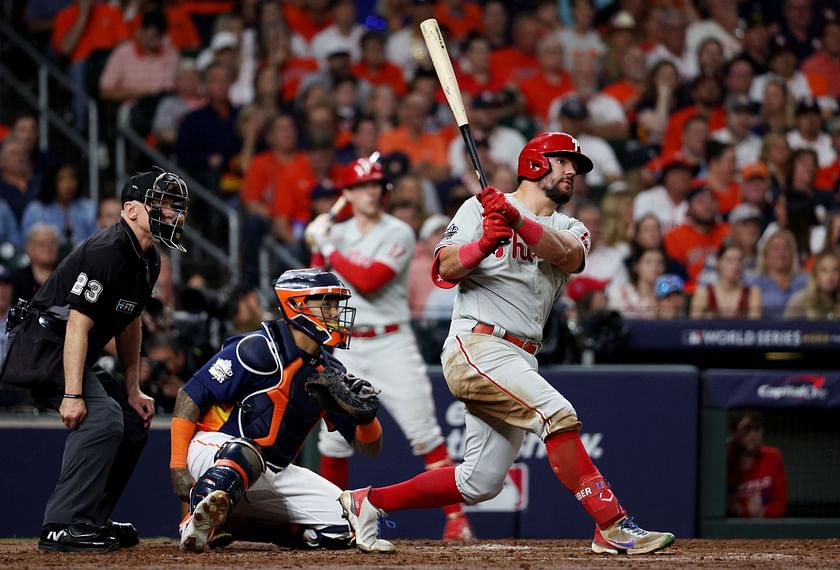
<point>458,529</point>
<point>209,513</point>
<point>125,533</point>
<point>363,518</point>
<point>626,537</point>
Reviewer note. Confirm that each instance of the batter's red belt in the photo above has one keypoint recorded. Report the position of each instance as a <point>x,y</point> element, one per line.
<point>370,332</point>
<point>484,328</point>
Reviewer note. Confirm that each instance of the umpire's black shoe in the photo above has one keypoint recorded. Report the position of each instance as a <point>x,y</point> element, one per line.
<point>125,533</point>
<point>60,538</point>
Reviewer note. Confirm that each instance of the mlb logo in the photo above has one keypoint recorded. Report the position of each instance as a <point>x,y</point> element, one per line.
<point>514,495</point>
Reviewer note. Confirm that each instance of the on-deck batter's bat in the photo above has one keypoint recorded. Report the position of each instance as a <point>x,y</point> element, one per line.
<point>449,84</point>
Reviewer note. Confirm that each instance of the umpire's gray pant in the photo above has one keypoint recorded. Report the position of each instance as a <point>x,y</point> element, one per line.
<point>89,452</point>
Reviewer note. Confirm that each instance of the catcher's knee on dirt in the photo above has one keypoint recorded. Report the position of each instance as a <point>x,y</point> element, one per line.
<point>477,485</point>
<point>237,465</point>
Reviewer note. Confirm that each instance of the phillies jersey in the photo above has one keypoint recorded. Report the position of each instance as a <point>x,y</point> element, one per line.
<point>254,388</point>
<point>764,483</point>
<point>512,287</point>
<point>391,242</point>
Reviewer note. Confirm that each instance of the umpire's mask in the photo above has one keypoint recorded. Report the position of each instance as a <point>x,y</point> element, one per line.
<point>166,201</point>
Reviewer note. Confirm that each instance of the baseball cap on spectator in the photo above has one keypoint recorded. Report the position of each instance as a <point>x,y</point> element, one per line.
<point>743,213</point>
<point>833,126</point>
<point>738,103</point>
<point>622,20</point>
<point>486,100</point>
<point>432,224</point>
<point>676,162</point>
<point>573,108</point>
<point>807,105</point>
<point>754,170</point>
<point>223,40</point>
<point>395,164</point>
<point>668,284</point>
<point>325,189</point>
<point>779,44</point>
<point>580,287</point>
<point>697,188</point>
<point>338,48</point>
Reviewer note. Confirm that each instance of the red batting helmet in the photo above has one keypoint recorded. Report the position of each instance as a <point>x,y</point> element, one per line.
<point>533,163</point>
<point>360,171</point>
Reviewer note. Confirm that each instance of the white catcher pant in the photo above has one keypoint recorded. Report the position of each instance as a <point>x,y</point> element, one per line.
<point>392,363</point>
<point>293,496</point>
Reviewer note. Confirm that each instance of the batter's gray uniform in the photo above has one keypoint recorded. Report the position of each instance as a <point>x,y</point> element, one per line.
<point>383,349</point>
<point>512,290</point>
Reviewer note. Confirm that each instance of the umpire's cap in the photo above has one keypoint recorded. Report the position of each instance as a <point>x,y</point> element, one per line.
<point>136,187</point>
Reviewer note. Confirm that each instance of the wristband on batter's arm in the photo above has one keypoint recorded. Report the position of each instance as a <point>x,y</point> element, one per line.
<point>529,230</point>
<point>182,432</point>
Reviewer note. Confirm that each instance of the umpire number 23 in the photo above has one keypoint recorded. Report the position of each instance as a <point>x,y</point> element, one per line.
<point>92,288</point>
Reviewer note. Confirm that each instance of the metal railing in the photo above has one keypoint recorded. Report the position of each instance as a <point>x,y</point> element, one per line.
<point>229,256</point>
<point>47,117</point>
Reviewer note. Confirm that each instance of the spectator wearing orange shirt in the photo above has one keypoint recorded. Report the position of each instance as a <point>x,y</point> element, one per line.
<point>426,151</point>
<point>720,175</point>
<point>552,80</point>
<point>706,95</point>
<point>699,237</point>
<point>519,61</point>
<point>628,89</point>
<point>474,71</point>
<point>79,30</point>
<point>460,18</point>
<point>307,18</point>
<point>262,181</point>
<point>374,68</point>
<point>620,37</point>
<point>826,61</point>
<point>293,194</point>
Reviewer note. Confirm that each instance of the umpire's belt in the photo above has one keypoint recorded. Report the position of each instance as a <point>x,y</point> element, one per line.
<point>484,328</point>
<point>376,330</point>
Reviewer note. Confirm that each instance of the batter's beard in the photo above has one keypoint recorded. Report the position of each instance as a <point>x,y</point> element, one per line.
<point>558,196</point>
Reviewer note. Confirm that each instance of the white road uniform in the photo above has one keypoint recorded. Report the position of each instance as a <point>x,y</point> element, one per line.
<point>383,349</point>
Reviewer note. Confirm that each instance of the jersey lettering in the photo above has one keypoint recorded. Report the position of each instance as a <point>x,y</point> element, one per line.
<point>94,287</point>
<point>80,283</point>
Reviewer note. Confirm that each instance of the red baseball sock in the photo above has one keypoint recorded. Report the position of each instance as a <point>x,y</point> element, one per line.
<point>336,470</point>
<point>574,468</point>
<point>435,459</point>
<point>435,488</point>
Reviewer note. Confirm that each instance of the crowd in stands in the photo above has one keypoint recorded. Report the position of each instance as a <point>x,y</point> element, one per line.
<point>713,126</point>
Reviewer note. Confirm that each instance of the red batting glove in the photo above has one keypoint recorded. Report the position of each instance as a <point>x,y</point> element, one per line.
<point>495,228</point>
<point>492,200</point>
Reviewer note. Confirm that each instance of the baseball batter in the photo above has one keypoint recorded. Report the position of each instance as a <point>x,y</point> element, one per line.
<point>505,294</point>
<point>241,420</point>
<point>371,252</point>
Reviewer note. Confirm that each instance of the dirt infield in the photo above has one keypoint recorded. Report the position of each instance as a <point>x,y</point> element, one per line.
<point>525,554</point>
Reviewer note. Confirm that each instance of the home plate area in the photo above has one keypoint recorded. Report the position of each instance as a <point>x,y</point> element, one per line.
<point>692,553</point>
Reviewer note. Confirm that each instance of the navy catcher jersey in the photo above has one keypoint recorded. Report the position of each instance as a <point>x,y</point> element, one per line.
<point>254,388</point>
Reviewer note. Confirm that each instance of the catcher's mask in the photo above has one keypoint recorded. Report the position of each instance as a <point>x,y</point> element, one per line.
<point>166,199</point>
<point>329,320</point>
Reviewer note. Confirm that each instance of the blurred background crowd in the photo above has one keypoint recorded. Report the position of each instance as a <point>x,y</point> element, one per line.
<point>713,126</point>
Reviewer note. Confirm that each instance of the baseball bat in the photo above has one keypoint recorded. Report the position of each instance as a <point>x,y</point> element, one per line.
<point>337,207</point>
<point>449,84</point>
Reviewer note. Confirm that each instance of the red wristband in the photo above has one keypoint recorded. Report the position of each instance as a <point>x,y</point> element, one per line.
<point>470,255</point>
<point>530,231</point>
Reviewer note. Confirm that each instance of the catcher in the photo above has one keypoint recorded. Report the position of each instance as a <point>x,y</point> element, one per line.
<point>241,420</point>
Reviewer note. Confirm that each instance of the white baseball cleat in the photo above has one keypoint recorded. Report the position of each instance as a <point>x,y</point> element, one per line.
<point>626,537</point>
<point>363,518</point>
<point>210,513</point>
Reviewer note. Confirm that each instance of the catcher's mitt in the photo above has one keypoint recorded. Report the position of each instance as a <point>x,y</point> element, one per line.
<point>340,392</point>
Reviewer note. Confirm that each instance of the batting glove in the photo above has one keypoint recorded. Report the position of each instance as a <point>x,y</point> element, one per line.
<point>493,200</point>
<point>495,228</point>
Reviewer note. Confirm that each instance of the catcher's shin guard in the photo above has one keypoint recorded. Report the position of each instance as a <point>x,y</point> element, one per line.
<point>238,464</point>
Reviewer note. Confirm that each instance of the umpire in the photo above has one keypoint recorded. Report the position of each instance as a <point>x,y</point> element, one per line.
<point>97,293</point>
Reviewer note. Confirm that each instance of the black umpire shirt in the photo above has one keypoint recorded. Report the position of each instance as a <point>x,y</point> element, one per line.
<point>107,277</point>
